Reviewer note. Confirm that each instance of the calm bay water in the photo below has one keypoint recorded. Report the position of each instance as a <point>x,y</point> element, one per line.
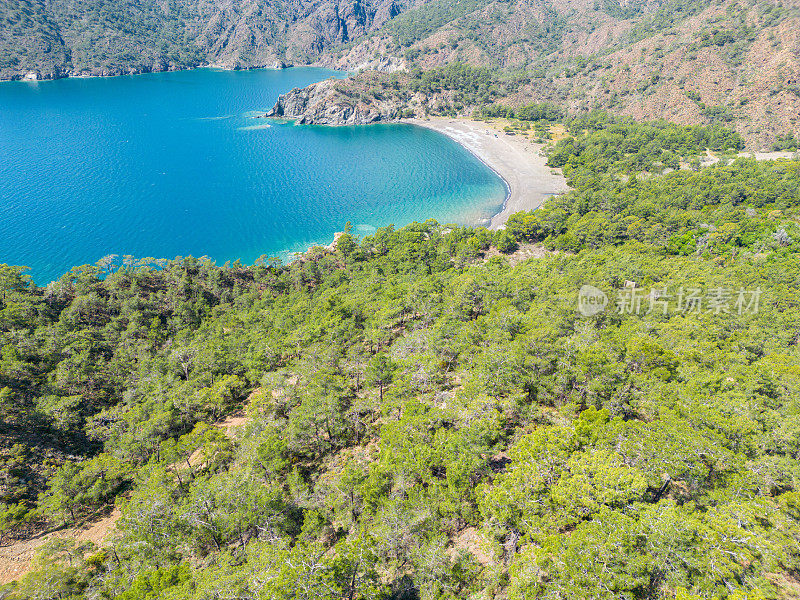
<point>175,164</point>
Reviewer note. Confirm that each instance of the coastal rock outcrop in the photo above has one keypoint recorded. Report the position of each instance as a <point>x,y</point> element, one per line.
<point>333,102</point>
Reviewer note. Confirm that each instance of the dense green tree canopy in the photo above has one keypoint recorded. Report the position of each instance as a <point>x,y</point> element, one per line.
<point>422,420</point>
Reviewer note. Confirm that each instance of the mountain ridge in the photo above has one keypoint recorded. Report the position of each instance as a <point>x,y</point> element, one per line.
<point>45,40</point>
<point>733,62</point>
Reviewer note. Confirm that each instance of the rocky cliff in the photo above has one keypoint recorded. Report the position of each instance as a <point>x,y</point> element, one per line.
<point>336,102</point>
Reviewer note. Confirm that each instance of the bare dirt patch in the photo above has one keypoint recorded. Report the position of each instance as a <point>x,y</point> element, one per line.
<point>471,541</point>
<point>558,132</point>
<point>15,559</point>
<point>522,253</point>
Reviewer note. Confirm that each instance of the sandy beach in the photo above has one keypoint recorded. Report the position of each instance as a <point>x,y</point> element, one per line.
<point>513,157</point>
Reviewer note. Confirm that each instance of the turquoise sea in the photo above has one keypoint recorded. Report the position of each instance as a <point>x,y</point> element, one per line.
<point>175,164</point>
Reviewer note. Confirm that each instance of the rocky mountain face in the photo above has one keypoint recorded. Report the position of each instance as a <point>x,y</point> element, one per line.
<point>53,38</point>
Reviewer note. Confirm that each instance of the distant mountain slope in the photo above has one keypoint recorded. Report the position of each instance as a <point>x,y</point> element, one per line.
<point>52,38</point>
<point>29,39</point>
<point>729,61</point>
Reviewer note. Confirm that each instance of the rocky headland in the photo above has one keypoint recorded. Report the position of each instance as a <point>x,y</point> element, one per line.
<point>338,102</point>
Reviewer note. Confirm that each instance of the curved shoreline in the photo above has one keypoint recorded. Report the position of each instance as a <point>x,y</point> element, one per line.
<point>515,159</point>
<point>439,129</point>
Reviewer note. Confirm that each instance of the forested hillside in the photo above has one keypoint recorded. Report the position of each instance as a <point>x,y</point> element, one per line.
<point>426,415</point>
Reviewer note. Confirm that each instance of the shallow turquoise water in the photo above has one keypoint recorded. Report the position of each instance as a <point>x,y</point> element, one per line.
<point>174,164</point>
